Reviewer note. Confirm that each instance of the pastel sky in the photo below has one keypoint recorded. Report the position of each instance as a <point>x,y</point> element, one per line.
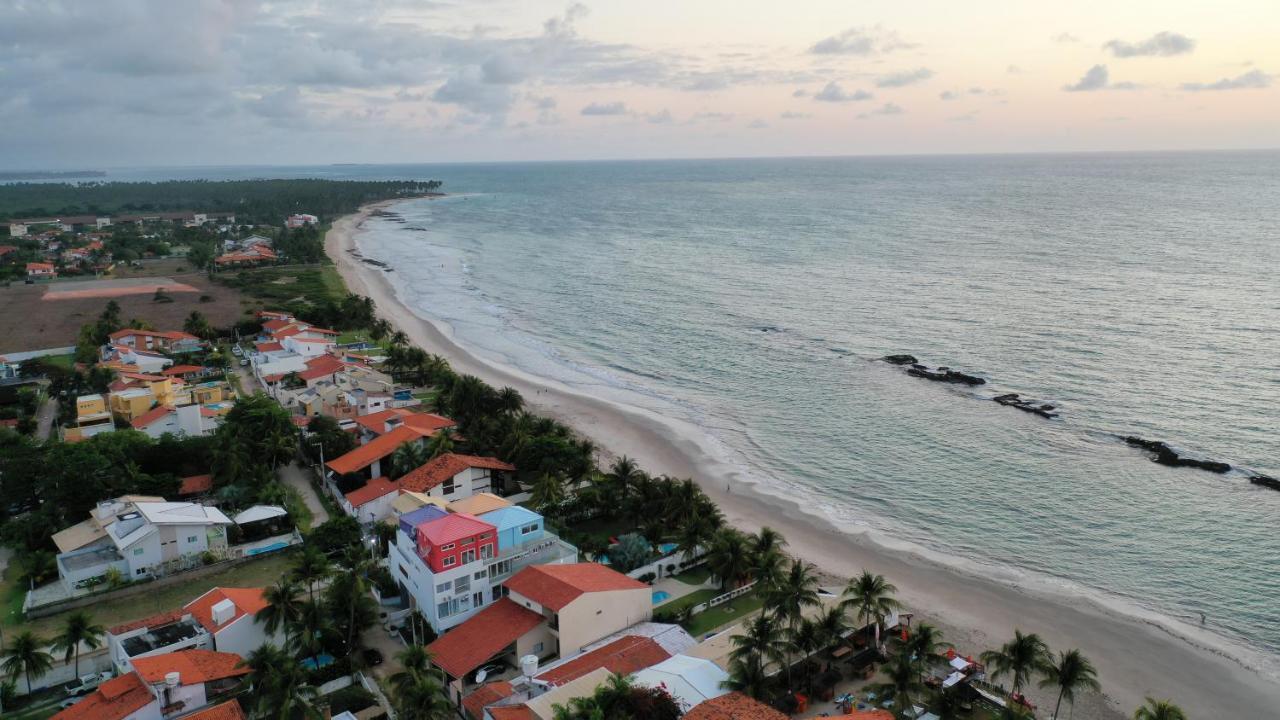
<point>106,83</point>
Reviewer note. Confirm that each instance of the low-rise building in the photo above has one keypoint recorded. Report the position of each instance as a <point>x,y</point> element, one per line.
<point>301,219</point>
<point>171,341</point>
<point>41,271</point>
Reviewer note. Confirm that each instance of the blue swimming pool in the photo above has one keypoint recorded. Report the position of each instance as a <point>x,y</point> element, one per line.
<point>318,662</point>
<point>660,596</point>
<point>267,548</point>
<point>668,548</point>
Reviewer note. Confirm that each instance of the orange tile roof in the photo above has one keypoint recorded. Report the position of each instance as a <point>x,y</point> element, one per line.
<point>154,415</point>
<point>114,699</point>
<point>869,715</point>
<point>485,634</point>
<point>486,695</point>
<point>555,586</point>
<point>511,712</point>
<point>427,422</point>
<point>268,346</point>
<point>733,706</point>
<point>441,468</point>
<point>248,601</point>
<point>183,369</point>
<point>277,324</point>
<point>372,490</point>
<point>39,266</point>
<point>376,449</point>
<point>154,621</point>
<point>196,484</point>
<point>194,666</point>
<point>229,710</point>
<point>624,656</point>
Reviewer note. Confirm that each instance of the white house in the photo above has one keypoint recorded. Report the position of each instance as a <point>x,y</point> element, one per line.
<point>229,615</point>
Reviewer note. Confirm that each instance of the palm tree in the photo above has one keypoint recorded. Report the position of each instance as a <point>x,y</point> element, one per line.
<point>548,492</point>
<point>727,557</point>
<point>509,400</point>
<point>280,686</point>
<point>415,661</point>
<point>902,682</point>
<point>1022,657</point>
<point>283,609</point>
<point>795,590</point>
<point>78,628</point>
<point>623,474</point>
<point>349,592</point>
<point>925,646</point>
<point>440,444</point>
<point>422,698</point>
<point>1159,710</point>
<point>696,532</point>
<point>762,643</point>
<point>310,568</point>
<point>25,657</point>
<point>806,639</point>
<point>871,596</point>
<point>313,621</point>
<point>410,456</point>
<point>832,627</point>
<point>1070,672</point>
<point>748,678</point>
<point>767,560</point>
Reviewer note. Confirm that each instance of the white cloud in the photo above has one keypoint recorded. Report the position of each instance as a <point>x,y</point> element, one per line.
<point>1098,78</point>
<point>886,109</point>
<point>860,41</point>
<point>1252,80</point>
<point>904,78</point>
<point>834,93</point>
<point>1162,44</point>
<point>609,108</point>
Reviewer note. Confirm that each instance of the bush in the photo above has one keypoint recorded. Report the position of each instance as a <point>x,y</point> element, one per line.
<point>208,558</point>
<point>353,698</point>
<point>647,577</point>
<point>340,667</point>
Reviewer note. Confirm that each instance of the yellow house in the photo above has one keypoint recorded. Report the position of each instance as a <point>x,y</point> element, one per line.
<point>206,393</point>
<point>133,403</point>
<point>91,408</point>
<point>162,391</point>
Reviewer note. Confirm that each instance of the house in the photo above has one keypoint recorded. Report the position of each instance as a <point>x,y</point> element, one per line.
<point>453,564</point>
<point>172,341</point>
<point>145,539</point>
<point>190,679</point>
<point>92,417</point>
<point>582,602</point>
<point>190,373</point>
<point>501,630</point>
<point>222,619</point>
<point>41,271</point>
<point>690,680</point>
<point>372,501</point>
<point>191,420</point>
<point>129,358</point>
<point>453,476</point>
<point>301,219</point>
<point>127,697</point>
<point>375,424</point>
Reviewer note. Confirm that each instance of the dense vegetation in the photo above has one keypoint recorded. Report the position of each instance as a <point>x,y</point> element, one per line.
<point>253,201</point>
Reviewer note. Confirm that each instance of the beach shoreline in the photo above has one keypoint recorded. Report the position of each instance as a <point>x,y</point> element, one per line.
<point>1135,657</point>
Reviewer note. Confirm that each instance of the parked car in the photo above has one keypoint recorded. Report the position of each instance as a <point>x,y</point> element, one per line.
<point>235,350</point>
<point>244,362</point>
<point>86,683</point>
<point>489,671</point>
<point>372,657</point>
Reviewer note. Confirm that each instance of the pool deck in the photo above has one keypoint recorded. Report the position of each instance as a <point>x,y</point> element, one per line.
<point>676,589</point>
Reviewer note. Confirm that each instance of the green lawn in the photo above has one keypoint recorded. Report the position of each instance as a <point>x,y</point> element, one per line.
<point>695,576</point>
<point>62,361</point>
<point>721,615</point>
<point>298,509</point>
<point>108,612</point>
<point>603,528</point>
<point>693,598</point>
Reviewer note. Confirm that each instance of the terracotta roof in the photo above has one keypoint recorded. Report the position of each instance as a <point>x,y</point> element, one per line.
<point>372,490</point>
<point>376,449</point>
<point>869,715</point>
<point>268,346</point>
<point>624,656</point>
<point>271,325</point>
<point>167,334</point>
<point>38,266</point>
<point>555,586</point>
<point>511,712</point>
<point>195,666</point>
<point>247,601</point>
<point>427,422</point>
<point>153,416</point>
<point>154,621</point>
<point>114,699</point>
<point>183,369</point>
<point>441,468</point>
<point>487,633</point>
<point>452,528</point>
<point>229,710</point>
<point>733,706</point>
<point>325,362</point>
<point>196,484</point>
<point>486,695</point>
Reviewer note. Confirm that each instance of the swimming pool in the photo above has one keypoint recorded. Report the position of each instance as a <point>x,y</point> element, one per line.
<point>660,596</point>
<point>668,548</point>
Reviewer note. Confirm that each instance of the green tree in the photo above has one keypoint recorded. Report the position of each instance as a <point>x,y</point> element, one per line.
<point>795,590</point>
<point>631,551</point>
<point>310,568</point>
<point>767,558</point>
<point>421,697</point>
<point>727,557</point>
<point>78,629</point>
<point>280,688</point>
<point>25,656</point>
<point>283,608</point>
<point>410,456</point>
<point>1159,710</point>
<point>1070,672</point>
<point>196,324</point>
<point>902,681</point>
<point>1019,659</point>
<point>440,444</point>
<point>871,598</point>
<point>925,646</point>
<point>548,493</point>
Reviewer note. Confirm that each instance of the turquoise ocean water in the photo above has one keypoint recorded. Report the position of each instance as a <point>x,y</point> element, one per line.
<point>1138,292</point>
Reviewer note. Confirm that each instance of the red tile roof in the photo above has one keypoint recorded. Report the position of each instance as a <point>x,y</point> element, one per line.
<point>733,706</point>
<point>325,362</point>
<point>272,325</point>
<point>487,633</point>
<point>441,468</point>
<point>196,484</point>
<point>154,621</point>
<point>39,266</point>
<point>624,656</point>
<point>114,699</point>
<point>452,528</point>
<point>555,586</point>
<point>229,710</point>
<point>268,346</point>
<point>486,695</point>
<point>372,490</point>
<point>511,712</point>
<point>376,449</point>
<point>247,601</point>
<point>167,334</point>
<point>426,422</point>
<point>154,415</point>
<point>195,666</point>
<point>183,369</point>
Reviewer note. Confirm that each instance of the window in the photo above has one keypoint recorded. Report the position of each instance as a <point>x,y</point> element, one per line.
<point>499,569</point>
<point>479,576</point>
<point>462,585</point>
<point>528,529</point>
<point>537,648</point>
<point>486,536</point>
<point>486,551</point>
<point>443,610</point>
<point>478,599</point>
<point>403,571</point>
<point>139,551</point>
<point>468,556</point>
<point>450,561</point>
<point>444,586</point>
<point>449,487</point>
<point>141,571</point>
<point>191,539</point>
<point>450,546</point>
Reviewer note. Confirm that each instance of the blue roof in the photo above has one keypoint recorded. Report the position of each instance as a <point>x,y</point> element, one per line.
<point>510,517</point>
<point>410,521</point>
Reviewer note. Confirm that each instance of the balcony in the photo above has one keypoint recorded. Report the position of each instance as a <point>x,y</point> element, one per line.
<point>547,549</point>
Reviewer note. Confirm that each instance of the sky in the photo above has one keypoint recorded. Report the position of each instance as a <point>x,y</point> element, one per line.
<point>88,84</point>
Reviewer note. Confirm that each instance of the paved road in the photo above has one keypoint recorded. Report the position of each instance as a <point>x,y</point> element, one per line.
<point>299,477</point>
<point>45,417</point>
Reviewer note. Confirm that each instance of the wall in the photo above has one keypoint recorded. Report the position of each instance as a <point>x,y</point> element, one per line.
<point>244,635</point>
<point>595,615</point>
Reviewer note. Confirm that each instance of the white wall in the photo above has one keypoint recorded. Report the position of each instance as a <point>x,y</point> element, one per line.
<point>244,635</point>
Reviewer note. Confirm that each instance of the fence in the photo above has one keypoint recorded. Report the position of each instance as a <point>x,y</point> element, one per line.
<point>722,599</point>
<point>672,564</point>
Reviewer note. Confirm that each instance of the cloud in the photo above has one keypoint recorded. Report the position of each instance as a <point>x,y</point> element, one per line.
<point>610,108</point>
<point>1252,80</point>
<point>948,95</point>
<point>1065,37</point>
<point>1097,78</point>
<point>659,118</point>
<point>834,93</point>
<point>789,115</point>
<point>1163,44</point>
<point>904,78</point>
<point>544,103</point>
<point>886,109</point>
<point>860,41</point>
<point>800,93</point>
<point>758,124</point>
<point>712,116</point>
<point>1013,70</point>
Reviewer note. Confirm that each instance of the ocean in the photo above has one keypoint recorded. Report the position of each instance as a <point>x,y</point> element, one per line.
<point>752,298</point>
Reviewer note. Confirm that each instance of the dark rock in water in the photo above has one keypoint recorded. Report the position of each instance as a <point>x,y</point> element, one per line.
<point>1166,455</point>
<point>900,359</point>
<point>1265,481</point>
<point>1044,410</point>
<point>946,375</point>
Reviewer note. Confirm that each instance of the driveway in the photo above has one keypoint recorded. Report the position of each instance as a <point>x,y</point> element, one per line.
<point>46,416</point>
<point>299,478</point>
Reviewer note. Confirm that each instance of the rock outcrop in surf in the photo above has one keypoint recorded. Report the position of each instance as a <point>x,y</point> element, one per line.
<point>1265,481</point>
<point>1044,410</point>
<point>1166,455</point>
<point>945,375</point>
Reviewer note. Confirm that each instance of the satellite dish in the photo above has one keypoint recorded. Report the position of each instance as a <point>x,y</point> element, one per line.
<point>481,675</point>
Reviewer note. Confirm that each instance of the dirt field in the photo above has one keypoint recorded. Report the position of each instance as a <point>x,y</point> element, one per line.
<point>30,322</point>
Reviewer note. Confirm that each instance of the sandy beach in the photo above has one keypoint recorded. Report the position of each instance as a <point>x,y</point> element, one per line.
<point>1135,656</point>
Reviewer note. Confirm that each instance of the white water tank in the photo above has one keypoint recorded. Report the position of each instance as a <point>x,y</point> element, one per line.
<point>172,679</point>
<point>223,612</point>
<point>529,666</point>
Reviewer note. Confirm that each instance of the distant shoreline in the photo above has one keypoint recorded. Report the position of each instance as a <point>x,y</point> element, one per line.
<point>1135,656</point>
<point>12,175</point>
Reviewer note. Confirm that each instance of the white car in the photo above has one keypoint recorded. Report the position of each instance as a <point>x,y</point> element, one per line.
<point>86,683</point>
<point>235,350</point>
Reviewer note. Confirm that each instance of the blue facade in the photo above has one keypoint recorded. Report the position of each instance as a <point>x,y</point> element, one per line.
<point>516,526</point>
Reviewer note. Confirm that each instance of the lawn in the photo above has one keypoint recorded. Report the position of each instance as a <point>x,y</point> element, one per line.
<point>695,576</point>
<point>298,509</point>
<point>604,528</point>
<point>693,598</point>
<point>114,611</point>
<point>281,285</point>
<point>721,615</point>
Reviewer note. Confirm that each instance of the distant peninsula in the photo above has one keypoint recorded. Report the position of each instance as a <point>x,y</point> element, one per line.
<point>49,174</point>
